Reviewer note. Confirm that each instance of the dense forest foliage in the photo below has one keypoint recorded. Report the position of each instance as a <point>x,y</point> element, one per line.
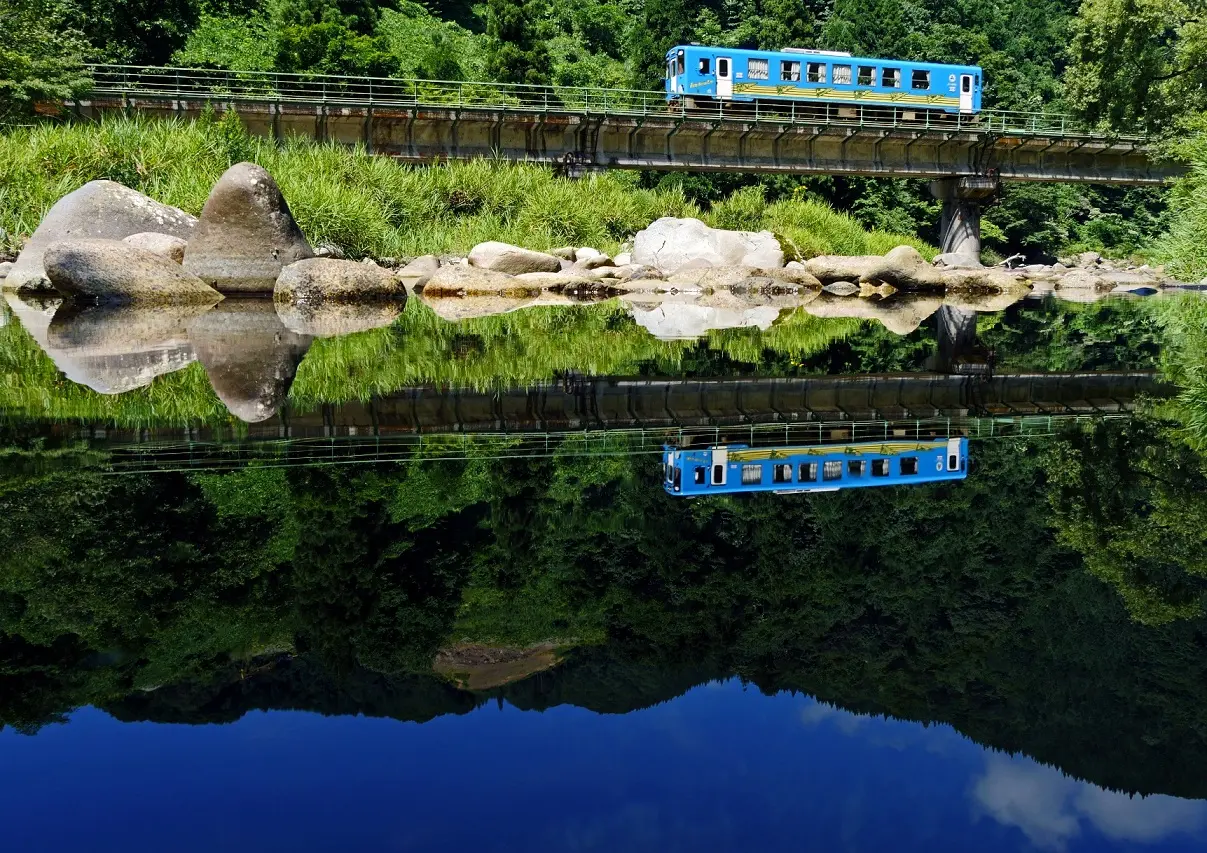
<point>1037,54</point>
<point>195,597</point>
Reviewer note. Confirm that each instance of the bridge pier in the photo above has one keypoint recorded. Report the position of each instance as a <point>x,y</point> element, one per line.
<point>960,225</point>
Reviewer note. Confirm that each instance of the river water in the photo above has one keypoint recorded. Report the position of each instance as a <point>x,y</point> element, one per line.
<point>420,587</point>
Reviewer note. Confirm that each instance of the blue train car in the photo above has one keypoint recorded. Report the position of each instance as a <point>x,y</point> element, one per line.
<point>697,75</point>
<point>737,468</point>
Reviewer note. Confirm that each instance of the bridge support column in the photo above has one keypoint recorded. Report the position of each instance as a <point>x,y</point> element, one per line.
<point>960,227</point>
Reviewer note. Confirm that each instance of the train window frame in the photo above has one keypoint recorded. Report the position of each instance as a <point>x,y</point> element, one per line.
<point>781,472</point>
<point>890,78</point>
<point>700,475</point>
<point>790,70</point>
<point>752,474</point>
<point>831,470</point>
<point>815,72</point>
<point>807,473</point>
<point>866,75</point>
<point>840,75</point>
<point>880,467</point>
<point>856,467</point>
<point>703,66</point>
<point>919,79</point>
<point>758,69</point>
<point>909,466</point>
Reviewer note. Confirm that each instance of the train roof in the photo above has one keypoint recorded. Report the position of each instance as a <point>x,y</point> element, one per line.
<point>798,54</point>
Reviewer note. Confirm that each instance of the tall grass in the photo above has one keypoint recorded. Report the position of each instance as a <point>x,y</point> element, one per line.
<point>374,206</point>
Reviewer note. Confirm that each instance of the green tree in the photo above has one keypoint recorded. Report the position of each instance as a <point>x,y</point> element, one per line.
<point>515,52</point>
<point>41,57</point>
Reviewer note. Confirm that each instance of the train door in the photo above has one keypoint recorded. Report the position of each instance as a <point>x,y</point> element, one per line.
<point>724,77</point>
<point>966,93</point>
<point>720,466</point>
<point>953,454</point>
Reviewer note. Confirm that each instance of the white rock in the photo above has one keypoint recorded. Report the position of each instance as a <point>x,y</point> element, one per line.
<point>671,244</point>
<point>586,253</point>
<point>623,259</point>
<point>161,244</point>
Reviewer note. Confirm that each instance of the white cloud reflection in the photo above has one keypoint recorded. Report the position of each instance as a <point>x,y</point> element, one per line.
<point>1052,809</point>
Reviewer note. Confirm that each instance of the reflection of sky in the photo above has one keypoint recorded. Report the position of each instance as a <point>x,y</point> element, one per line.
<point>722,768</point>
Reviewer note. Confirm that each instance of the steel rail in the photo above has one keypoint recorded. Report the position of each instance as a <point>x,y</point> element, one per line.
<point>134,82</point>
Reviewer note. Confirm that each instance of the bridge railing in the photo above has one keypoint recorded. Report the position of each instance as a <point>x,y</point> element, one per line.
<point>142,82</point>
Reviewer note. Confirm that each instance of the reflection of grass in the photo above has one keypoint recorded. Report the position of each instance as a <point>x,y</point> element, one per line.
<point>539,612</point>
<point>1184,362</point>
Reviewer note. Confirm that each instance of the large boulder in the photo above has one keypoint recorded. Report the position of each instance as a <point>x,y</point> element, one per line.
<point>747,277</point>
<point>829,268</point>
<point>417,272</point>
<point>318,281</point>
<point>671,245</point>
<point>249,356</point>
<point>467,281</point>
<point>512,260</point>
<point>98,210</point>
<point>112,271</point>
<point>161,244</point>
<point>246,234</point>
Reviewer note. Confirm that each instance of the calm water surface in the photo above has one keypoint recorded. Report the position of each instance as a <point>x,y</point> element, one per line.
<point>420,588</point>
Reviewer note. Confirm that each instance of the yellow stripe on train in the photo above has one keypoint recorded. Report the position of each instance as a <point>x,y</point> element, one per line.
<point>834,95</point>
<point>762,454</point>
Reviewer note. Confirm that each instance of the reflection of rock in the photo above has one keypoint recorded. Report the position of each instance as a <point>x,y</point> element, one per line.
<point>900,313</point>
<point>329,320</point>
<point>669,319</point>
<point>112,271</point>
<point>249,356</point>
<point>671,245</point>
<point>246,233</point>
<point>115,348</point>
<point>512,260</point>
<point>469,281</point>
<point>986,302</point>
<point>97,210</point>
<point>417,272</point>
<point>456,308</point>
<point>475,667</point>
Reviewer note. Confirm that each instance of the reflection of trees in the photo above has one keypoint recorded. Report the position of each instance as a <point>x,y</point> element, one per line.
<point>199,598</point>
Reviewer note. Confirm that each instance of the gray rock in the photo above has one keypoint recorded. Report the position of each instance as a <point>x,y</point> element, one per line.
<point>330,250</point>
<point>324,280</point>
<point>98,210</point>
<point>246,234</point>
<point>1089,259</point>
<point>905,256</point>
<point>160,244</point>
<point>512,260</point>
<point>466,281</point>
<point>842,288</point>
<point>829,268</point>
<point>1126,279</point>
<point>957,260</point>
<point>333,319</point>
<point>594,262</point>
<point>5,268</point>
<point>554,280</point>
<point>586,253</point>
<point>417,272</point>
<point>565,253</point>
<point>623,259</point>
<point>672,245</point>
<point>249,356</point>
<point>1080,280</point>
<point>111,271</point>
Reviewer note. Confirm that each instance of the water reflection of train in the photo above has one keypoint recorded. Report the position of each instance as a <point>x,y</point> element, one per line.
<point>734,468</point>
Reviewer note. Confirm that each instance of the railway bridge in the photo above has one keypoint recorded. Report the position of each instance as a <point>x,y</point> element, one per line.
<point>583,129</point>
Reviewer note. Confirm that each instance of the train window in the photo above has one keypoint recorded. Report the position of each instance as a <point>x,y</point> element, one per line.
<point>890,78</point>
<point>953,463</point>
<point>670,472</point>
<point>855,467</point>
<point>816,72</point>
<point>879,467</point>
<point>842,74</point>
<point>722,68</point>
<point>682,63</point>
<point>699,474</point>
<point>808,472</point>
<point>966,83</point>
<point>718,475</point>
<point>758,69</point>
<point>678,483</point>
<point>909,465</point>
<point>867,75</point>
<point>704,63</point>
<point>781,474</point>
<point>832,470</point>
<point>789,70</point>
<point>920,80</point>
<point>752,474</point>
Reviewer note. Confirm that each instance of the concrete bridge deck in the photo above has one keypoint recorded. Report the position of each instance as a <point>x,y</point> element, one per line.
<point>580,128</point>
